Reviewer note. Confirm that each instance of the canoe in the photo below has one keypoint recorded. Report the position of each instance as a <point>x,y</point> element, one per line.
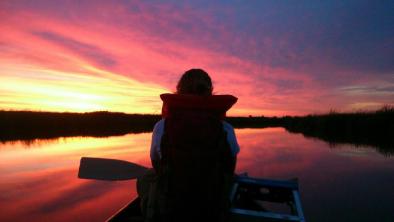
<point>253,199</point>
<point>131,212</point>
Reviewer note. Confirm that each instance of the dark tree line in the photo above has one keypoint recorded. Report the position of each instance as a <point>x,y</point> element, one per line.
<point>25,125</point>
<point>360,128</point>
<point>363,128</point>
<point>20,125</point>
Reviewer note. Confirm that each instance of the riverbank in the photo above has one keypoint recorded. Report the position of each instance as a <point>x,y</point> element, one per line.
<point>359,128</point>
<point>27,125</point>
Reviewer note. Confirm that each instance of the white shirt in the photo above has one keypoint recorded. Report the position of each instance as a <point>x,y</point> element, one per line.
<point>158,130</point>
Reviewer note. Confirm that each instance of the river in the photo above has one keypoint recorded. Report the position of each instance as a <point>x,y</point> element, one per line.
<point>38,179</point>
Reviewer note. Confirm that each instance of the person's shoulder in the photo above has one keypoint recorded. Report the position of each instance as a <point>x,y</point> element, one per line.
<point>159,124</point>
<point>227,126</point>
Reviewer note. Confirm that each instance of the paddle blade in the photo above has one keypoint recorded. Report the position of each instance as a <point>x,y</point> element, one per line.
<point>109,169</point>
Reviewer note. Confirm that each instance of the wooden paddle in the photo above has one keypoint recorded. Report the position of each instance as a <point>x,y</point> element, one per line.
<point>109,169</point>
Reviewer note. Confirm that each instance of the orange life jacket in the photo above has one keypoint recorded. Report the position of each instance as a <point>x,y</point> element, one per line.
<point>196,158</point>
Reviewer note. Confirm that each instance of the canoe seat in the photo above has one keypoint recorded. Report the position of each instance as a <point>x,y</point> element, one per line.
<point>255,199</point>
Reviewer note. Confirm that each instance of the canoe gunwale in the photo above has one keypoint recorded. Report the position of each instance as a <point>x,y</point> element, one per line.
<point>132,212</point>
<point>288,187</point>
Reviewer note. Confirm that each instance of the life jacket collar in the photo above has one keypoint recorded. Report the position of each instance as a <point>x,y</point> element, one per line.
<point>219,104</point>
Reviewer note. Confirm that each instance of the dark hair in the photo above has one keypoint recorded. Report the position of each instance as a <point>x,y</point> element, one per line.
<point>196,82</point>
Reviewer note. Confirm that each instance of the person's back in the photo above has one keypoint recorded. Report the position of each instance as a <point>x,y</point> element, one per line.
<point>194,160</point>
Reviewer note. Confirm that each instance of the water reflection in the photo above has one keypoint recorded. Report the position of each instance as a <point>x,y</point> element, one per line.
<point>340,184</point>
<point>41,184</point>
<point>381,142</point>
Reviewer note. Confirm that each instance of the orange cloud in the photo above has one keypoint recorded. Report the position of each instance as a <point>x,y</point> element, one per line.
<point>120,57</point>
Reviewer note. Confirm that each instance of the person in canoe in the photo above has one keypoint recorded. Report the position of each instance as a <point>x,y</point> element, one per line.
<point>193,153</point>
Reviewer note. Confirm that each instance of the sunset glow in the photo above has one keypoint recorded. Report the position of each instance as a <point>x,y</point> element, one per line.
<point>51,90</point>
<point>277,59</point>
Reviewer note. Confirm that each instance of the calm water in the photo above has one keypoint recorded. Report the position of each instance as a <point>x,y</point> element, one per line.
<point>38,181</point>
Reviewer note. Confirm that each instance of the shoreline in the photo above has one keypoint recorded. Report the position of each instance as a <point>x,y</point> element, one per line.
<point>375,128</point>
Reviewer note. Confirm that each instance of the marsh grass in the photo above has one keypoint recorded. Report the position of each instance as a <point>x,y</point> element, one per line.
<point>26,125</point>
<point>361,128</point>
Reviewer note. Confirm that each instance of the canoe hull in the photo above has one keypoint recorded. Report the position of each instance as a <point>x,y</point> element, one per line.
<point>131,212</point>
<point>247,197</point>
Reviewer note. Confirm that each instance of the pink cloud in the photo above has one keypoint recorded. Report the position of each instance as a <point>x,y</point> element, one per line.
<point>156,43</point>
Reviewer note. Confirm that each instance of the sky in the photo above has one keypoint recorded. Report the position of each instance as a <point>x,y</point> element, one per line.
<point>278,57</point>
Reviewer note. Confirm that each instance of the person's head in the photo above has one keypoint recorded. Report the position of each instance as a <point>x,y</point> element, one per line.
<point>195,82</point>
